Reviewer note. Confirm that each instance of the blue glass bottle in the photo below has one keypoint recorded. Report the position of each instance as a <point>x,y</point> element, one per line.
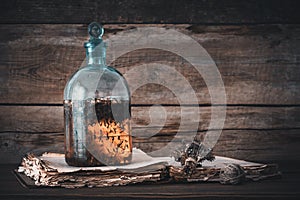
<point>97,110</point>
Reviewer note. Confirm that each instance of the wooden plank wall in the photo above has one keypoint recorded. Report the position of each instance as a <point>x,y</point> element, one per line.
<point>255,44</point>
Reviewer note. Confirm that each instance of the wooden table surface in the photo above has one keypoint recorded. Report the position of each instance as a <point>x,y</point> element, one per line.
<point>285,188</point>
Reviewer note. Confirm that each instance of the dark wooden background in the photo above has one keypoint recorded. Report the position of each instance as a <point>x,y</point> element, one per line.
<point>255,44</point>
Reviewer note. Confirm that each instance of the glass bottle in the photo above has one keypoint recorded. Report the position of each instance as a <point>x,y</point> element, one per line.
<point>97,110</point>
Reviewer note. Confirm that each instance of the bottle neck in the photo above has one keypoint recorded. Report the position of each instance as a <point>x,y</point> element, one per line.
<point>96,55</point>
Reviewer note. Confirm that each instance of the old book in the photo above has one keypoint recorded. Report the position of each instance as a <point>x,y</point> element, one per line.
<point>50,169</point>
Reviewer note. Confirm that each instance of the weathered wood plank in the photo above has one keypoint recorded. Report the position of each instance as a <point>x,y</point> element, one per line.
<point>156,11</point>
<point>31,119</point>
<point>41,119</point>
<point>258,64</point>
<point>254,145</point>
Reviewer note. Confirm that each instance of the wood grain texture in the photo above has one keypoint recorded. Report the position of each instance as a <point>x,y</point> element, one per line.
<point>258,64</point>
<point>256,133</point>
<point>154,11</point>
<point>43,119</point>
<point>253,145</point>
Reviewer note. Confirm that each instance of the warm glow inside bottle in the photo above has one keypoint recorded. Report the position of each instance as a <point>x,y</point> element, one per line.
<point>97,110</point>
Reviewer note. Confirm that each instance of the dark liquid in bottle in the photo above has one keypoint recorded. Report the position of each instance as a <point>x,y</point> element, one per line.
<point>97,132</point>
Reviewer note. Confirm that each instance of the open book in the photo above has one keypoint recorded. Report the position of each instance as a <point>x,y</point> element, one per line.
<point>50,169</point>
